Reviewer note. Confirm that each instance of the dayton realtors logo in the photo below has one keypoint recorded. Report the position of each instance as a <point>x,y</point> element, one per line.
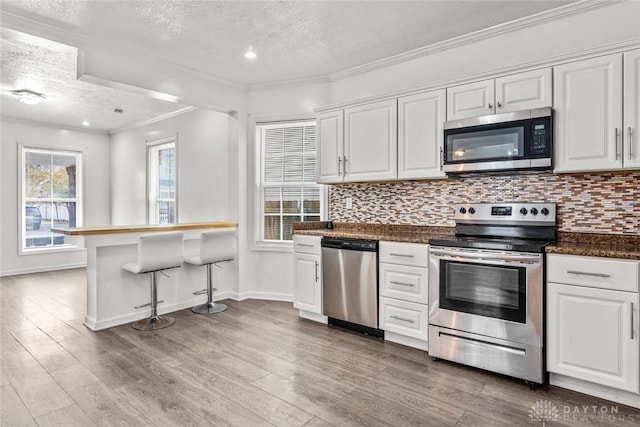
<point>545,411</point>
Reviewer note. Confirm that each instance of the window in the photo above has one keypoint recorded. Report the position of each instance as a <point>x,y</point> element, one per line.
<point>51,196</point>
<point>162,182</point>
<point>287,187</point>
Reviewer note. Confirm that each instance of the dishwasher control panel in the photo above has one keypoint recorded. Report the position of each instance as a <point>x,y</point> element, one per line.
<point>350,244</point>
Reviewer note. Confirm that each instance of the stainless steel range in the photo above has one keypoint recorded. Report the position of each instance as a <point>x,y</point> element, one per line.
<point>486,288</point>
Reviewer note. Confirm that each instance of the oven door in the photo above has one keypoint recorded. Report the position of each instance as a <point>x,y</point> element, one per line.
<point>491,293</point>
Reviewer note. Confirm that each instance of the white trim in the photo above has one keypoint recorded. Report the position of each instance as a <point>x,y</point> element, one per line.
<point>406,341</point>
<point>593,389</point>
<point>267,296</point>
<point>42,269</point>
<point>313,316</point>
<point>153,120</point>
<point>55,126</point>
<point>305,81</point>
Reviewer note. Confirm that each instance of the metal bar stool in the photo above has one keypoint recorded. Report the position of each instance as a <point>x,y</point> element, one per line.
<point>215,246</point>
<point>156,252</point>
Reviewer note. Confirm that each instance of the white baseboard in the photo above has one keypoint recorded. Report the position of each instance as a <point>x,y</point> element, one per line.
<point>604,392</point>
<point>42,269</point>
<point>408,341</point>
<point>264,296</point>
<point>313,316</point>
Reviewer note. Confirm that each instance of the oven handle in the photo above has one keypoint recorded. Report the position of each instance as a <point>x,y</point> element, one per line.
<point>486,255</point>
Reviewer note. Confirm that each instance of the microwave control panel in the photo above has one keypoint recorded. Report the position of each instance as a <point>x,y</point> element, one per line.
<point>541,137</point>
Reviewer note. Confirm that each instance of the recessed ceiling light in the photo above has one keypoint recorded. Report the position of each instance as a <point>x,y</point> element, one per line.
<point>27,96</point>
<point>85,123</point>
<point>250,54</point>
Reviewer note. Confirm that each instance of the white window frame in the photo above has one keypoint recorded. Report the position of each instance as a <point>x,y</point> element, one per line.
<point>153,147</point>
<point>70,244</point>
<point>256,196</point>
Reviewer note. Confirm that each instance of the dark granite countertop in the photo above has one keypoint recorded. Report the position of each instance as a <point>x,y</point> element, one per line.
<point>582,244</point>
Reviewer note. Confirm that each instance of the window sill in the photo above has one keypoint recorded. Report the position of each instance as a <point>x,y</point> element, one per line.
<point>51,250</point>
<point>263,246</point>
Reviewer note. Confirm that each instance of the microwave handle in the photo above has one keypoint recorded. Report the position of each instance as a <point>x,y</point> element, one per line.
<point>441,157</point>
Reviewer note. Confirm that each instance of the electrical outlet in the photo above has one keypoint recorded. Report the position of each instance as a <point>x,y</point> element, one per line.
<point>349,203</point>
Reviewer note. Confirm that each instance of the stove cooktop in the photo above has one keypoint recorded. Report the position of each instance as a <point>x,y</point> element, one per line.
<point>499,244</point>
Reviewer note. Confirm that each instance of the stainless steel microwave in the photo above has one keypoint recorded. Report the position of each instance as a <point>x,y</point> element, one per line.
<point>517,141</point>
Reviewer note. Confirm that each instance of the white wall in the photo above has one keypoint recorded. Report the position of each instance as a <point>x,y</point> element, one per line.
<point>503,52</point>
<point>96,191</point>
<point>266,274</point>
<point>206,176</point>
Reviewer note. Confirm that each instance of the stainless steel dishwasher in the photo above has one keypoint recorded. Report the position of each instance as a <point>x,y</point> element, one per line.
<point>350,283</point>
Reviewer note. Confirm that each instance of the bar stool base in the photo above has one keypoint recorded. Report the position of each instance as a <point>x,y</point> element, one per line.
<point>209,308</point>
<point>153,323</point>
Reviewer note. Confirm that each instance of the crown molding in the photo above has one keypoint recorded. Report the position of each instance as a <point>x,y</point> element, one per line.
<point>10,119</point>
<point>154,120</point>
<point>486,33</point>
<point>17,20</point>
<point>307,81</point>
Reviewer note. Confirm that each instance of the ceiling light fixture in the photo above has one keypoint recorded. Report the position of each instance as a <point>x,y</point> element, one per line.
<point>85,123</point>
<point>27,96</point>
<point>250,54</point>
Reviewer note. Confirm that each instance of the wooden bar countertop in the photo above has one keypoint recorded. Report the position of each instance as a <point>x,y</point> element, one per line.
<point>118,229</point>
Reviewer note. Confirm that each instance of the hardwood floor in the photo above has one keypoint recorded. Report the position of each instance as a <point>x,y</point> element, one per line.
<point>256,364</point>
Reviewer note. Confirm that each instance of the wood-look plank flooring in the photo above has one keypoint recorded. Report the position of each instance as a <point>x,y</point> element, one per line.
<point>256,364</point>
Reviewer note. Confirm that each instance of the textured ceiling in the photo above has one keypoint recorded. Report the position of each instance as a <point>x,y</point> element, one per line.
<point>69,101</point>
<point>293,40</point>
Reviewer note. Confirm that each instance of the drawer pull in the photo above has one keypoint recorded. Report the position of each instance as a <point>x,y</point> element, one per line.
<point>402,319</point>
<point>631,311</point>
<point>584,273</point>
<point>317,277</point>
<point>404,255</point>
<point>393,282</point>
<point>306,245</point>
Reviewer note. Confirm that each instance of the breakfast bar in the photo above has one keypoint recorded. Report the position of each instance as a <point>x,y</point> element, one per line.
<point>112,293</point>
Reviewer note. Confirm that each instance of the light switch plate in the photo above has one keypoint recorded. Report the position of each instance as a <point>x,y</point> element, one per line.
<point>349,203</point>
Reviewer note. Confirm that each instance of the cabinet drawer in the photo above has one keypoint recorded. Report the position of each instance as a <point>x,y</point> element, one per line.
<point>414,254</point>
<point>404,282</point>
<point>593,272</point>
<point>404,318</point>
<point>307,244</point>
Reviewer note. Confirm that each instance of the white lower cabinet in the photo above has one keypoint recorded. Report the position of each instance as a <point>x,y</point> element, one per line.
<point>403,300</point>
<point>592,326</point>
<point>307,277</point>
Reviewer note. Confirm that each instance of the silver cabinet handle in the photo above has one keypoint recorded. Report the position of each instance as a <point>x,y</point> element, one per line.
<point>317,277</point>
<point>345,165</point>
<point>631,311</point>
<point>402,283</point>
<point>403,255</point>
<point>616,134</point>
<point>585,273</point>
<point>402,319</point>
<point>305,245</point>
<point>490,106</point>
<point>630,143</point>
<point>441,157</point>
<point>499,105</point>
<point>339,162</point>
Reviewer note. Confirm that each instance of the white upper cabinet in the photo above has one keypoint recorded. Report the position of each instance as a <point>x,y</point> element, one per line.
<point>522,91</point>
<point>631,134</point>
<point>371,142</point>
<point>420,135</point>
<point>330,129</point>
<point>588,115</point>
<point>470,100</point>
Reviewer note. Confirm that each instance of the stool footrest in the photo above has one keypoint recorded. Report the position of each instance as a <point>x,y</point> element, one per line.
<point>204,291</point>
<point>147,305</point>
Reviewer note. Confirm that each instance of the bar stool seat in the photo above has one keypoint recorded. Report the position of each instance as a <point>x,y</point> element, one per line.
<point>216,246</point>
<point>156,252</point>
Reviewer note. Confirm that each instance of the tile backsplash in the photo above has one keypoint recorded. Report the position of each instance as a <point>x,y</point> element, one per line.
<point>586,203</point>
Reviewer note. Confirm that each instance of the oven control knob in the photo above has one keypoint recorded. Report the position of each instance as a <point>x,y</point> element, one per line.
<point>463,211</point>
<point>545,211</point>
<point>534,211</point>
<point>523,211</point>
<point>472,211</point>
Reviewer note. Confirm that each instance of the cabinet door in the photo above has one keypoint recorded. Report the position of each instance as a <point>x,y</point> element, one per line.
<point>471,100</point>
<point>631,129</point>
<point>524,91</point>
<point>420,135</point>
<point>371,142</point>
<point>307,279</point>
<point>588,114</point>
<point>590,335</point>
<point>330,129</point>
